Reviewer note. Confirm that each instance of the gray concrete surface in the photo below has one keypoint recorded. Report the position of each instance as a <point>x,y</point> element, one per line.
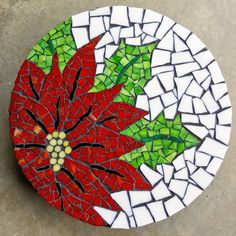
<point>22,211</point>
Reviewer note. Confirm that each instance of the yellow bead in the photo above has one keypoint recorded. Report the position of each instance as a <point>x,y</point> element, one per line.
<point>60,161</point>
<point>56,167</point>
<point>53,161</point>
<point>49,137</point>
<point>68,150</point>
<point>57,149</point>
<point>59,142</point>
<point>53,142</point>
<point>62,154</point>
<point>55,134</point>
<point>54,154</point>
<point>49,148</point>
<point>62,135</point>
<point>65,143</point>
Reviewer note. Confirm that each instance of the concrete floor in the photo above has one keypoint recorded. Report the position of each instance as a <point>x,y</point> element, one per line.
<point>22,211</point>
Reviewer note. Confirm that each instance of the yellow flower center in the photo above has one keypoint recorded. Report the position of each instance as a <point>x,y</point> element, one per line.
<point>57,147</point>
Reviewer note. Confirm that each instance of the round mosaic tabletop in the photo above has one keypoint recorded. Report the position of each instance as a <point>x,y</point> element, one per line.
<point>120,117</point>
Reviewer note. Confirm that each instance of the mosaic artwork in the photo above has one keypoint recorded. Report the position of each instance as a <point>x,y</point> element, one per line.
<point>120,117</point>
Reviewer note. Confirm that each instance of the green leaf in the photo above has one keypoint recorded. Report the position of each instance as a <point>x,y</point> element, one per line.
<point>163,141</point>
<point>58,40</point>
<point>129,65</point>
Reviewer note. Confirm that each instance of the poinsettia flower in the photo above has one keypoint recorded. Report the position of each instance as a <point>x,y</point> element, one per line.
<point>67,140</point>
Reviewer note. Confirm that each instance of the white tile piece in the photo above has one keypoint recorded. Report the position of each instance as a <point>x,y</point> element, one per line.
<point>151,16</point>
<point>210,102</point>
<point>157,210</point>
<point>191,167</point>
<point>225,101</point>
<point>179,162</point>
<point>110,50</point>
<point>103,11</point>
<point>202,178</point>
<point>164,27</point>
<point>213,148</point>
<point>160,57</point>
<point>200,131</point>
<point>189,118</point>
<point>181,31</point>
<point>186,104</point>
<point>133,41</point>
<point>142,216</point>
<point>156,107</point>
<point>80,36</point>
<point>96,27</point>
<point>199,106</point>
<point>202,159</point>
<point>186,68</point>
<point>132,222</point>
<point>106,20</point>
<point>127,32</point>
<point>148,39</point>
<point>195,44</point>
<point>115,33</point>
<point>179,44</point>
<point>214,165</point>
<point>167,80</point>
<point>173,205</point>
<point>182,83</point>
<point>194,89</point>
<point>181,57</point>
<point>168,171</point>
<point>80,19</point>
<point>150,28</point>
<point>160,191</point>
<point>168,99</point>
<point>153,88</point>
<point>182,174</point>
<point>225,117</point>
<point>152,176</point>
<point>163,69</point>
<point>204,58</point>
<point>189,154</point>
<point>200,75</point>
<point>142,102</point>
<point>170,111</point>
<point>99,69</point>
<point>212,133</point>
<point>208,120</point>
<point>99,55</point>
<point>119,16</point>
<point>135,14</point>
<point>159,169</point>
<point>138,197</point>
<point>107,215</point>
<point>223,133</point>
<point>122,199</point>
<point>167,42</point>
<point>121,222</point>
<point>137,30</point>
<point>219,90</point>
<point>206,83</point>
<point>106,39</point>
<point>216,73</point>
<point>191,194</point>
<point>178,187</point>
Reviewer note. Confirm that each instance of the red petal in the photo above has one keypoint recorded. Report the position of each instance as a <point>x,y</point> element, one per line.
<point>130,178</point>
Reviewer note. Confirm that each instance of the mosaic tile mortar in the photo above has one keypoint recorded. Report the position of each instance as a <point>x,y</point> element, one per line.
<point>120,117</point>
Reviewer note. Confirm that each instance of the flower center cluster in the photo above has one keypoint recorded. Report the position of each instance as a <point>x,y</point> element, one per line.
<point>57,147</point>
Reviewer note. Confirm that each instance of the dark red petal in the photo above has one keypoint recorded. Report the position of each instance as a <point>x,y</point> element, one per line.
<point>83,59</point>
<point>119,175</point>
<point>114,145</point>
<point>118,116</point>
